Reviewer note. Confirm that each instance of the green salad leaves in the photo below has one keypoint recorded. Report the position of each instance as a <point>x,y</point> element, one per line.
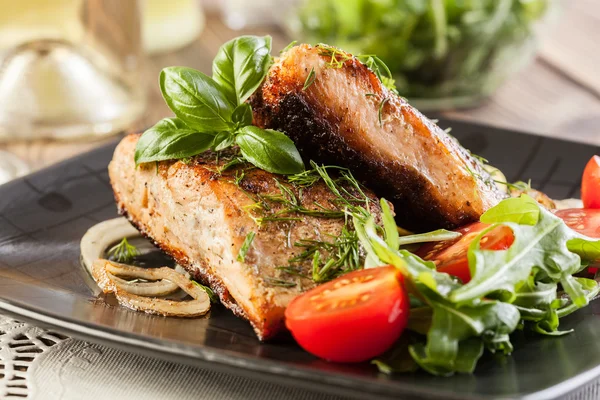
<point>211,113</point>
<point>516,288</point>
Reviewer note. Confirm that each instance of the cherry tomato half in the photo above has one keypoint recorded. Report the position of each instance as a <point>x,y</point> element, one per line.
<point>352,318</point>
<point>590,184</point>
<point>450,256</point>
<point>583,220</point>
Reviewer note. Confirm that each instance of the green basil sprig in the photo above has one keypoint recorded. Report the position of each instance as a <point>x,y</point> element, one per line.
<point>211,112</point>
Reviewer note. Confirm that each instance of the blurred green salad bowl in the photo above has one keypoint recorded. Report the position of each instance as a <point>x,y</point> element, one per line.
<point>443,53</point>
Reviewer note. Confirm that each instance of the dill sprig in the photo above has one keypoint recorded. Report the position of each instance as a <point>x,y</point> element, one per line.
<point>280,282</point>
<point>292,270</point>
<point>337,57</point>
<point>380,111</point>
<point>233,162</point>
<point>310,79</point>
<point>330,258</point>
<point>289,46</point>
<point>241,257</point>
<point>123,252</point>
<point>211,294</point>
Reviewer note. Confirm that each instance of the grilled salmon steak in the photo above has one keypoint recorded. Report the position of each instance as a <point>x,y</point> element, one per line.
<point>338,112</point>
<point>245,232</point>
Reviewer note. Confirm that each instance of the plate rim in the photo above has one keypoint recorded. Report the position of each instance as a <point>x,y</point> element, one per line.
<point>333,383</point>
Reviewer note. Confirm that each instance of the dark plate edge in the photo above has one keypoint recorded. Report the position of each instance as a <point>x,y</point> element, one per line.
<point>222,362</point>
<point>219,359</point>
<point>268,369</point>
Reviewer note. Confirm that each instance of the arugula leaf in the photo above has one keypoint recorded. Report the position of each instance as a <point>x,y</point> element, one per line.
<point>241,65</point>
<point>392,237</point>
<point>433,236</point>
<point>524,211</point>
<point>269,150</point>
<point>543,245</point>
<point>170,138</point>
<point>398,358</point>
<point>587,249</point>
<point>196,99</point>
<point>457,333</point>
<point>242,115</point>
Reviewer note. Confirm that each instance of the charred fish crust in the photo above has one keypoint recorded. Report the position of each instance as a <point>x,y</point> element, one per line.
<point>242,244</point>
<point>316,139</point>
<point>348,118</point>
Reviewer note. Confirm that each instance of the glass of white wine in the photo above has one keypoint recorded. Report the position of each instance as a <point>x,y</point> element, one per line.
<point>68,69</point>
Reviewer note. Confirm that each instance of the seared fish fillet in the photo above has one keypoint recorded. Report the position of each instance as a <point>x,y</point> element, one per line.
<point>347,117</point>
<point>201,217</point>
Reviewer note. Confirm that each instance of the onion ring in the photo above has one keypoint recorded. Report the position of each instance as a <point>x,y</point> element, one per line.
<point>104,272</point>
<point>97,239</point>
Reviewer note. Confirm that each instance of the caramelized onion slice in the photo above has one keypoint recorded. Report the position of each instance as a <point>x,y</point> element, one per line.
<point>100,236</point>
<point>105,272</point>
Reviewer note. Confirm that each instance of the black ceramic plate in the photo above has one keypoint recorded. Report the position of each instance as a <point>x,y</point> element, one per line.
<point>44,215</point>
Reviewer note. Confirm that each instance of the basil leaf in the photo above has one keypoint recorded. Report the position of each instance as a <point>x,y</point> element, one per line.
<point>170,139</point>
<point>269,150</point>
<point>241,65</point>
<point>242,115</point>
<point>521,210</point>
<point>196,99</point>
<point>223,140</point>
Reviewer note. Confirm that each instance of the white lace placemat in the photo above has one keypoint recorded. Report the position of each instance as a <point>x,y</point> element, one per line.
<point>42,365</point>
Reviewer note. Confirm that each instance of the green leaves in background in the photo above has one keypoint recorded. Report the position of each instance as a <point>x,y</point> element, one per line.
<point>212,113</point>
<point>170,138</point>
<point>269,150</point>
<point>240,66</point>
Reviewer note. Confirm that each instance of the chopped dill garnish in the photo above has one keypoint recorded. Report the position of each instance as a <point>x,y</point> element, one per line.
<point>292,270</point>
<point>337,57</point>
<point>260,220</point>
<point>241,257</point>
<point>310,79</point>
<point>279,282</point>
<point>211,294</point>
<point>380,112</point>
<point>330,258</point>
<point>123,252</point>
<point>305,178</point>
<point>380,69</point>
<point>239,177</point>
<point>289,46</point>
<point>291,204</point>
<point>234,161</point>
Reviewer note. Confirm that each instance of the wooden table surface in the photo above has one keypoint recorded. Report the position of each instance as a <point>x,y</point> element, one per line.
<point>558,95</point>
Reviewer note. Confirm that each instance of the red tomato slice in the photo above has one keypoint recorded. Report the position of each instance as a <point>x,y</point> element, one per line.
<point>353,318</point>
<point>450,256</point>
<point>590,184</point>
<point>583,220</point>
